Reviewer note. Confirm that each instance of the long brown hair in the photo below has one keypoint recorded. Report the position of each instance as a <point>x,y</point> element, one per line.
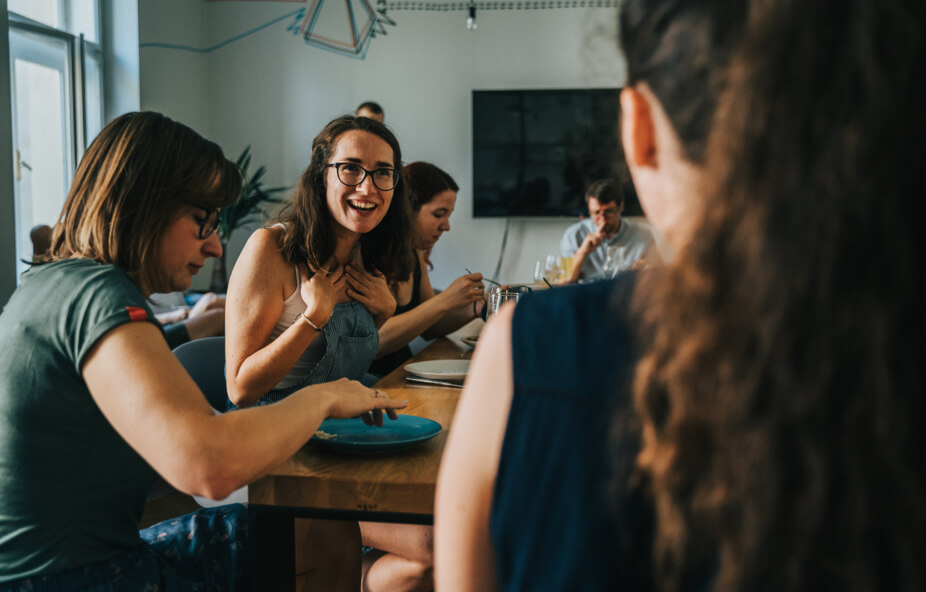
<point>308,236</point>
<point>781,392</point>
<point>136,178</point>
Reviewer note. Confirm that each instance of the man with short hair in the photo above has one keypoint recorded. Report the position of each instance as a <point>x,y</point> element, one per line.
<point>371,110</point>
<point>588,240</point>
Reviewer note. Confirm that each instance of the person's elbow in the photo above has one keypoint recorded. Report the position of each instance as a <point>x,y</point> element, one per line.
<point>215,484</point>
<point>239,391</point>
<point>206,467</point>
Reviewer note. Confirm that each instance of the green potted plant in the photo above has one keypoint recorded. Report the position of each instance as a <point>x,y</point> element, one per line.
<point>248,207</point>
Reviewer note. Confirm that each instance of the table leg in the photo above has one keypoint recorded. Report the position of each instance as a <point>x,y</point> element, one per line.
<point>271,540</point>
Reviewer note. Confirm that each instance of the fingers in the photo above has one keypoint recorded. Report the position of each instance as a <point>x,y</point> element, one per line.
<point>384,402</point>
<point>357,279</point>
<point>363,277</point>
<point>381,403</point>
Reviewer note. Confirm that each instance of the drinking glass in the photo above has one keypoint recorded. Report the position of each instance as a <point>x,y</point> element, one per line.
<point>615,260</point>
<point>566,267</point>
<point>498,298</point>
<point>538,272</point>
<point>552,268</point>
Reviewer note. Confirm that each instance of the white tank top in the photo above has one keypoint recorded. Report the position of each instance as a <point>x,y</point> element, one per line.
<point>292,307</point>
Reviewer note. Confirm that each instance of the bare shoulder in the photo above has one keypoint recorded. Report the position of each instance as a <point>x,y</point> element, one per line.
<point>261,267</point>
<point>266,240</point>
<point>263,250</point>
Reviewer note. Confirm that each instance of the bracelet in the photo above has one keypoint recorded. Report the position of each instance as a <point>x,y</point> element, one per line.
<point>309,321</point>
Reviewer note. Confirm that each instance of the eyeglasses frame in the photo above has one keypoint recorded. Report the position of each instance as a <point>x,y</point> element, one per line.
<point>366,173</point>
<point>205,228</point>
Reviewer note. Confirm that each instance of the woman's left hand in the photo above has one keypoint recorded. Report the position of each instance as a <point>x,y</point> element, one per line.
<point>372,291</point>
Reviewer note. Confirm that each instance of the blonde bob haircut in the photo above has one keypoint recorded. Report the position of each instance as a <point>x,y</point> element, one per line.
<point>139,175</point>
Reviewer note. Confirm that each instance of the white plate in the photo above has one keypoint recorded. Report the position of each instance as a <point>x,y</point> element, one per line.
<point>439,369</point>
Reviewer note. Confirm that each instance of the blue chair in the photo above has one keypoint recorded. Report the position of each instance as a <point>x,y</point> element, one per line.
<point>204,361</point>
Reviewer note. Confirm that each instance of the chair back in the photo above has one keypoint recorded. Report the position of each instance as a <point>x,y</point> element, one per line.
<point>204,361</point>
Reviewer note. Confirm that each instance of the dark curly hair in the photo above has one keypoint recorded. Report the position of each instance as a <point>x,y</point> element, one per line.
<point>781,391</point>
<point>308,236</point>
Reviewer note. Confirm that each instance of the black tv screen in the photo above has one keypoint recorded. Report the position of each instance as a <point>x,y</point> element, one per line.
<point>535,151</point>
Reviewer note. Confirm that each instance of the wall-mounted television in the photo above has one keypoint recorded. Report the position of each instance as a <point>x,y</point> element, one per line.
<point>535,151</point>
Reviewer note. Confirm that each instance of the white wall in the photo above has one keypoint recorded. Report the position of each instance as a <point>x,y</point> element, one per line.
<point>273,91</point>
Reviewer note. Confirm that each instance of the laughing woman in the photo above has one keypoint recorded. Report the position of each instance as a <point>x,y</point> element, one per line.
<point>308,295</point>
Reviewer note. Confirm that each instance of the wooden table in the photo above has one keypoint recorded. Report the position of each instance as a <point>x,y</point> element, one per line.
<point>316,483</point>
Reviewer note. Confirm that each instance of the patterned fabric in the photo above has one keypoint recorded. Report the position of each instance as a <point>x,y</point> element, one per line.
<point>200,552</point>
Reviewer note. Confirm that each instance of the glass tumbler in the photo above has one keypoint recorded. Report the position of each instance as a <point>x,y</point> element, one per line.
<point>498,298</point>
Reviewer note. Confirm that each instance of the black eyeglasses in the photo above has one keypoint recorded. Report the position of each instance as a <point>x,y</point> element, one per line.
<point>207,223</point>
<point>352,174</point>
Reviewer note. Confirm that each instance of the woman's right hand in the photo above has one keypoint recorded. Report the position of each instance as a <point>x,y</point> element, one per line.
<point>322,291</point>
<point>464,290</point>
<point>352,399</point>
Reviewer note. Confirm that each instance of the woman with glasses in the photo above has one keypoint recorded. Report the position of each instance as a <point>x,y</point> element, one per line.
<point>307,297</point>
<point>93,405</point>
<point>433,196</point>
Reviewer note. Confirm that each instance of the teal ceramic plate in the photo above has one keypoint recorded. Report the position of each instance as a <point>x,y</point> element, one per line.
<point>352,435</point>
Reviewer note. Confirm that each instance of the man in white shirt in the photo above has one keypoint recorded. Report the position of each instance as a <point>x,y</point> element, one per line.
<point>589,240</point>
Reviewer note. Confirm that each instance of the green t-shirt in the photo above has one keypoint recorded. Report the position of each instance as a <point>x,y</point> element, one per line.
<point>71,489</point>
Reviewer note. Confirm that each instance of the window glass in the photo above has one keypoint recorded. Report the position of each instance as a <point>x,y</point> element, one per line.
<point>74,16</point>
<point>83,19</point>
<point>93,93</point>
<point>44,11</point>
<point>42,131</point>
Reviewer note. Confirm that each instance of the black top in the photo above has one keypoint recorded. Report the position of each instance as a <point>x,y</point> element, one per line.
<point>389,362</point>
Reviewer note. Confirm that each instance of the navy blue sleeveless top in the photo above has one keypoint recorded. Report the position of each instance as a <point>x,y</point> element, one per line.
<point>564,516</point>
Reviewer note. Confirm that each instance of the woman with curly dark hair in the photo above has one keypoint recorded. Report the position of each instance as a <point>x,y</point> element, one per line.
<point>781,393</point>
<point>524,496</point>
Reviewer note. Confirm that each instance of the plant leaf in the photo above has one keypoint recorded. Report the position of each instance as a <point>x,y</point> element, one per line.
<point>253,195</point>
